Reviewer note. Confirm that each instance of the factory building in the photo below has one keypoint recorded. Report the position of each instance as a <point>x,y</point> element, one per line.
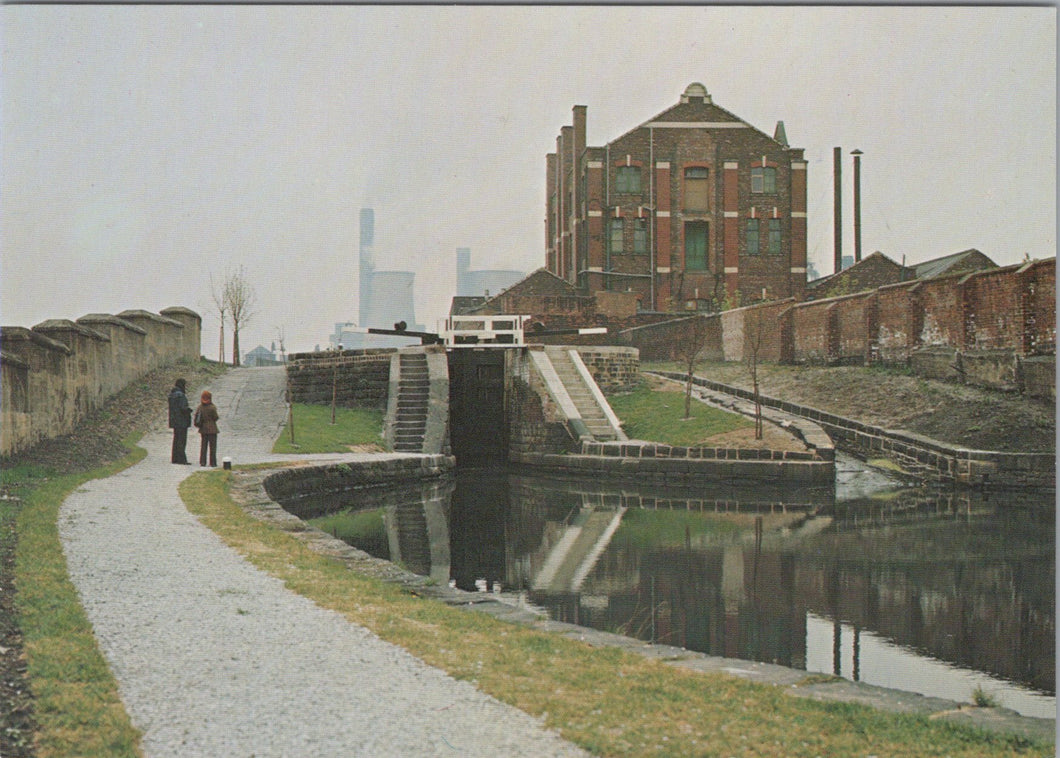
<point>689,210</point>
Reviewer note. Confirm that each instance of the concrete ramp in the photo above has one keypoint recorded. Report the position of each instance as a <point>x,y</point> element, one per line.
<point>577,394</point>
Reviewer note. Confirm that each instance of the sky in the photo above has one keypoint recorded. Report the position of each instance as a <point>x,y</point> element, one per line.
<point>145,150</point>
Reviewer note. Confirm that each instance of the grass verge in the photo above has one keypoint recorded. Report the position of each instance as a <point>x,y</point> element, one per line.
<point>77,706</point>
<point>611,702</point>
<point>659,416</point>
<point>314,432</point>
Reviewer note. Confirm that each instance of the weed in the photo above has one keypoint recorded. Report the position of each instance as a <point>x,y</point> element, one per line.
<point>984,699</point>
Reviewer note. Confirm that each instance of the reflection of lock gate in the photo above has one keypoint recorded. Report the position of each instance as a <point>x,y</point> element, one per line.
<point>481,331</point>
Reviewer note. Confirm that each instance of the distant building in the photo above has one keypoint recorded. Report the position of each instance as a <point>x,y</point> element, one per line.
<point>385,298</point>
<point>261,356</point>
<point>689,209</point>
<point>877,270</point>
<point>483,282</point>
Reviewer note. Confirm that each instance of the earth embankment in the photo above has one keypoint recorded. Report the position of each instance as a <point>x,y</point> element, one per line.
<point>959,415</point>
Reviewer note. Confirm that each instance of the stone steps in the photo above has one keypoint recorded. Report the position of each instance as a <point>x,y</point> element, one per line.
<point>410,424</point>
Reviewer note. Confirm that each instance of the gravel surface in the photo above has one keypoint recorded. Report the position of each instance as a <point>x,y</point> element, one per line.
<point>215,658</point>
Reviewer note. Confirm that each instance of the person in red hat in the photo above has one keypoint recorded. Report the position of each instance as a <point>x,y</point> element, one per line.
<point>206,416</point>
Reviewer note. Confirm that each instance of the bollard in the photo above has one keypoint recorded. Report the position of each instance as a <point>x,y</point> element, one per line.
<point>226,463</point>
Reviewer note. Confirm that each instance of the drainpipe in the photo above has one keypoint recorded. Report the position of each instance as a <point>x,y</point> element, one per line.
<point>651,194</point>
<point>607,209</point>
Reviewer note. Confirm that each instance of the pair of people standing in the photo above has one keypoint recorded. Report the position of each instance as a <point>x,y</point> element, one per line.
<point>205,419</point>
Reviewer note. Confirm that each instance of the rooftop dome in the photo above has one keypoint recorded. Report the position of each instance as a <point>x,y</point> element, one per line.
<point>697,91</point>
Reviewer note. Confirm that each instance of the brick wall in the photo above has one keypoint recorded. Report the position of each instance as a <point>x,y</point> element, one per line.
<point>58,372</point>
<point>812,327</point>
<point>663,341</point>
<point>974,328</point>
<point>853,321</point>
<point>898,320</point>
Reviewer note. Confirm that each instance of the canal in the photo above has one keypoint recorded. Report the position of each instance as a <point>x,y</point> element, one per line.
<point>930,591</point>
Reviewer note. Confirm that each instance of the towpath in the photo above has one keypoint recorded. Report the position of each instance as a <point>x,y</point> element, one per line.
<point>216,658</point>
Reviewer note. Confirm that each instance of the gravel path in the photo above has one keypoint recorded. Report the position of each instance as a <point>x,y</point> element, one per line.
<point>216,658</point>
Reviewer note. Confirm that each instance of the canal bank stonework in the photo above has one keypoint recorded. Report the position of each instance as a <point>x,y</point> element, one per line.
<point>538,433</point>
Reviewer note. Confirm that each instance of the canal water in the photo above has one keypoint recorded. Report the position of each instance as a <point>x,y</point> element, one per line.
<point>930,591</point>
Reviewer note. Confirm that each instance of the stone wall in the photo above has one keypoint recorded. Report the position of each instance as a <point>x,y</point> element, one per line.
<point>613,368</point>
<point>58,372</point>
<point>535,423</point>
<point>358,378</point>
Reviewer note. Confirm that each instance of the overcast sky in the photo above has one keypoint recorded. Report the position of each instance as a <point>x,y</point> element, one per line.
<point>146,147</point>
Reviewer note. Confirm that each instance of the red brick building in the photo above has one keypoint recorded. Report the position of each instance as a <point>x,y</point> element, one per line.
<point>691,208</point>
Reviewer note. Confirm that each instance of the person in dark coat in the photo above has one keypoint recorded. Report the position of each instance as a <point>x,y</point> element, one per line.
<point>179,421</point>
<point>206,416</point>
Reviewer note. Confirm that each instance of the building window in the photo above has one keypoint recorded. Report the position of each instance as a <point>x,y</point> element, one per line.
<point>753,244</point>
<point>774,236</point>
<point>614,237</point>
<point>697,184</point>
<point>764,180</point>
<point>696,246</point>
<point>640,236</point>
<point>628,180</point>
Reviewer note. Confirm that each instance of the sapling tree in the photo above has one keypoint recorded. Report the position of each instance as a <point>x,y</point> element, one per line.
<point>754,335</point>
<point>689,347</point>
<point>241,301</point>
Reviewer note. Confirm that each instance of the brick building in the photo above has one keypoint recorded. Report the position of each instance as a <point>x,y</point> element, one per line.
<point>878,270</point>
<point>687,210</point>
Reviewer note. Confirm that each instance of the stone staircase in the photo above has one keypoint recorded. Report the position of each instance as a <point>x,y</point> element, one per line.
<point>413,403</point>
<point>581,394</point>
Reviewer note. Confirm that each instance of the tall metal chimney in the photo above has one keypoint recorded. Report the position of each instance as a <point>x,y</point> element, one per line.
<point>837,212</point>
<point>857,204</point>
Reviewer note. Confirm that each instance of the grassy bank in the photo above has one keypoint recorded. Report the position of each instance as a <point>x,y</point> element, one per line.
<point>77,707</point>
<point>314,433</point>
<point>63,700</point>
<point>648,414</point>
<point>606,700</point>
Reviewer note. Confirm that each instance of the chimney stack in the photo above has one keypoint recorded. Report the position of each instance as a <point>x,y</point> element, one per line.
<point>857,204</point>
<point>837,212</point>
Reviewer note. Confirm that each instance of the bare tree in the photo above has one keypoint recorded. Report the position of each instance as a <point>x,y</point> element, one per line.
<point>754,334</point>
<point>688,348</point>
<point>241,300</point>
<point>217,294</point>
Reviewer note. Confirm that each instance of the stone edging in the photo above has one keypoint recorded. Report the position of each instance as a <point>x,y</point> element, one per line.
<point>680,466</point>
<point>248,491</point>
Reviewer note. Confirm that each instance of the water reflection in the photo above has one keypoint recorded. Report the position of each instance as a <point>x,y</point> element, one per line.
<point>868,581</point>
